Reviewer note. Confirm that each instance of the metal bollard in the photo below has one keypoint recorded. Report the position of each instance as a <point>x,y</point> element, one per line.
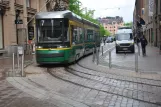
<point>93,54</point>
<point>160,48</point>
<point>139,49</point>
<point>110,59</point>
<point>97,53</point>
<point>13,64</point>
<point>136,62</point>
<point>102,50</point>
<point>18,60</point>
<point>22,66</point>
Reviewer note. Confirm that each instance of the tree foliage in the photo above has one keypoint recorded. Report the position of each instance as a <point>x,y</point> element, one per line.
<point>129,24</point>
<point>75,6</point>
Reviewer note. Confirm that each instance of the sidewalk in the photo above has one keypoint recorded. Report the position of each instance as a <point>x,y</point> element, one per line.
<point>150,63</point>
<point>6,63</point>
<point>124,69</point>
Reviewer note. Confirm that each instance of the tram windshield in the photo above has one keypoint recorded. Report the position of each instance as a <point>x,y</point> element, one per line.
<point>52,30</point>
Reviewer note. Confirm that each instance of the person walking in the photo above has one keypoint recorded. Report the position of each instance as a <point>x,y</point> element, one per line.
<point>144,42</point>
<point>137,41</point>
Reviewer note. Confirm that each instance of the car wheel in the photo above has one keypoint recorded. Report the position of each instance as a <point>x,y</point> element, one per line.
<point>133,50</point>
<point>117,51</point>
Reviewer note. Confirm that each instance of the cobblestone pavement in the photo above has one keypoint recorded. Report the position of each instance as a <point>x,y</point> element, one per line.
<point>84,84</point>
<point>13,97</point>
<point>149,63</point>
<point>79,86</point>
<point>6,64</point>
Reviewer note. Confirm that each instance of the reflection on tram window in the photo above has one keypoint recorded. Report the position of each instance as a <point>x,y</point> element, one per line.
<point>52,30</point>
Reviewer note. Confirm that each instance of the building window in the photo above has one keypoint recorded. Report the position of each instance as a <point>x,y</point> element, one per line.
<point>1,34</point>
<point>156,6</point>
<point>28,3</point>
<point>160,6</point>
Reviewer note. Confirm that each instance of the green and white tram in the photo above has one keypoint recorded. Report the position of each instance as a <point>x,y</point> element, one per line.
<point>64,37</point>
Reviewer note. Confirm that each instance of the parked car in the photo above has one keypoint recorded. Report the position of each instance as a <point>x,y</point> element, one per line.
<point>109,39</point>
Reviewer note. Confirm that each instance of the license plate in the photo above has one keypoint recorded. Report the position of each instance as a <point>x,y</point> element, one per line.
<point>125,48</point>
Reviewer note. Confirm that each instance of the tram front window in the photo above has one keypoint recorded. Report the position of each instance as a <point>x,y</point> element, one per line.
<point>52,30</point>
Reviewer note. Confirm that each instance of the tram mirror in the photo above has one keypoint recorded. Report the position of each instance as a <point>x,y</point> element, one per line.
<point>42,22</point>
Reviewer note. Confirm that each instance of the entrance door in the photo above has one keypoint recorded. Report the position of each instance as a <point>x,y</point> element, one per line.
<point>1,34</point>
<point>156,38</point>
<point>152,36</point>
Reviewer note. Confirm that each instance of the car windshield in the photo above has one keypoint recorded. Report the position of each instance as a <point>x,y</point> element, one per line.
<point>126,36</point>
<point>124,28</point>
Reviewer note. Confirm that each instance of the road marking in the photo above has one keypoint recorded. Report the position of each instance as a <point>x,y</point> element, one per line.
<point>107,50</point>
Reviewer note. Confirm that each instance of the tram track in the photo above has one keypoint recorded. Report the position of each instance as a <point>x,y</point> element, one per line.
<point>108,77</point>
<point>116,74</point>
<point>72,71</point>
<point>67,78</point>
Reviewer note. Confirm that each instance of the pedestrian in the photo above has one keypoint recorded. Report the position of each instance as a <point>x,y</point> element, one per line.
<point>144,42</point>
<point>137,41</point>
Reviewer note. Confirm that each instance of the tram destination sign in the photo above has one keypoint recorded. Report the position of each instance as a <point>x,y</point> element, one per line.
<point>19,21</point>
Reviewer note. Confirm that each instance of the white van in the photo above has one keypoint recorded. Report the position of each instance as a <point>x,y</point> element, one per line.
<point>124,30</point>
<point>124,40</point>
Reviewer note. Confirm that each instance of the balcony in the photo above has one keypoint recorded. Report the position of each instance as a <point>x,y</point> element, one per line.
<point>31,10</point>
<point>18,6</point>
<point>4,3</point>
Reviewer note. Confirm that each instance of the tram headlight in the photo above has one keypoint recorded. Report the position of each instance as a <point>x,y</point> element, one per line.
<point>38,47</point>
<point>62,47</point>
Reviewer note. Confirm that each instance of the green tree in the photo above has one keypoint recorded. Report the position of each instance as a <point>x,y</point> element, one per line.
<point>107,33</point>
<point>74,6</point>
<point>129,24</point>
<point>102,30</point>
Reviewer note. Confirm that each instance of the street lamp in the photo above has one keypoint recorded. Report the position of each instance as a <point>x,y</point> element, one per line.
<point>2,11</point>
<point>17,13</point>
<point>17,16</point>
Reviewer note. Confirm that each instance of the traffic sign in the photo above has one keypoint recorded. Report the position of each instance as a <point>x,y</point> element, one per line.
<point>19,21</point>
<point>20,50</point>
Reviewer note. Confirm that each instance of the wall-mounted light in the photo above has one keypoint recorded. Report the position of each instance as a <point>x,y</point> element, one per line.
<point>142,11</point>
<point>2,11</point>
<point>17,13</point>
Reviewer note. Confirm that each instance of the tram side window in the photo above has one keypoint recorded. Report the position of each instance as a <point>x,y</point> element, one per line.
<point>92,35</point>
<point>89,35</point>
<point>75,33</point>
<point>96,36</point>
<point>85,34</point>
<point>80,35</point>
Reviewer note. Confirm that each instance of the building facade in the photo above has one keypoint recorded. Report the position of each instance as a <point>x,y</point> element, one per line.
<point>150,11</point>
<point>17,25</point>
<point>112,23</point>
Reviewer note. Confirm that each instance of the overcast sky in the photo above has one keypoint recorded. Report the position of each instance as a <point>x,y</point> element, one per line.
<point>109,8</point>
